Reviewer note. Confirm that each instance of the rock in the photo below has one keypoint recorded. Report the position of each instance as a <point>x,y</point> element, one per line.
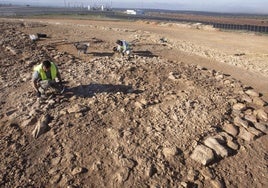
<point>254,131</point>
<point>10,112</point>
<point>202,154</point>
<point>55,179</point>
<point>125,162</point>
<point>229,141</point>
<point>216,146</point>
<point>53,171</point>
<point>57,56</point>
<point>219,77</point>
<point>97,165</point>
<point>252,93</point>
<point>192,175</point>
<point>258,101</point>
<point>12,50</point>
<point>33,112</point>
<point>227,82</point>
<point>73,98</point>
<point>41,127</point>
<point>261,126</point>
<point>144,102</point>
<point>199,184</point>
<point>246,98</point>
<point>30,63</point>
<point>217,183</point>
<point>246,135</point>
<point>240,122</point>
<point>78,170</point>
<point>173,76</point>
<point>184,184</point>
<point>151,171</point>
<point>232,101</point>
<point>236,113</point>
<point>169,152</point>
<point>51,101</point>
<point>78,115</point>
<point>239,106</point>
<point>139,105</point>
<point>220,138</point>
<point>251,118</point>
<point>261,115</point>
<point>77,108</point>
<point>63,112</point>
<point>65,179</point>
<point>224,136</point>
<point>265,108</point>
<point>230,129</point>
<point>127,133</point>
<point>29,122</point>
<point>122,175</point>
<point>55,161</point>
<point>73,186</point>
<point>248,112</point>
<point>232,145</point>
<point>207,173</point>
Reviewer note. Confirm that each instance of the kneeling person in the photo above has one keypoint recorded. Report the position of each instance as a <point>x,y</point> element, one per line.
<point>44,78</point>
<point>123,47</point>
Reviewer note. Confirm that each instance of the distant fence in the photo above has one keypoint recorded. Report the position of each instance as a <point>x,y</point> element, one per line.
<point>245,27</point>
<point>255,28</point>
<point>27,11</point>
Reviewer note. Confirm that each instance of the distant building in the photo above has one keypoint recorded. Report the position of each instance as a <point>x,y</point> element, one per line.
<point>134,12</point>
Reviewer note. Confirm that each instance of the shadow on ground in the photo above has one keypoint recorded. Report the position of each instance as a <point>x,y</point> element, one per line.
<point>94,88</point>
<point>101,54</point>
<point>145,53</point>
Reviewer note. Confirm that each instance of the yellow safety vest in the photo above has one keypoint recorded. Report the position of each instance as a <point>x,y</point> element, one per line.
<point>53,71</point>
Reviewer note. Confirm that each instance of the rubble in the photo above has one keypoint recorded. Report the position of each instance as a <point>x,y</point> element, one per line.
<point>138,122</point>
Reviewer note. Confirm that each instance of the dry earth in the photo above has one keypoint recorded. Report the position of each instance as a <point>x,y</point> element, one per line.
<point>186,110</point>
<point>220,18</point>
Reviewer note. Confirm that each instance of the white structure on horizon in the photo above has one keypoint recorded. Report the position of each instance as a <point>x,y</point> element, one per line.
<point>133,12</point>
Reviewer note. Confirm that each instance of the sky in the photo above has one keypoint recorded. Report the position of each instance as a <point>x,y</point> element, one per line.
<point>233,6</point>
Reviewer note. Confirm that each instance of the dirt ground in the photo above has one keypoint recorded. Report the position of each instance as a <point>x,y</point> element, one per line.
<point>187,109</point>
<point>216,18</point>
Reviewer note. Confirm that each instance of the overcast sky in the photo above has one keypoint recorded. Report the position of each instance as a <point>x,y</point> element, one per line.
<point>244,6</point>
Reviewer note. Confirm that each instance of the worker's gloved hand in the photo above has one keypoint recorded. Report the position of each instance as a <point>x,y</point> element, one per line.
<point>38,94</point>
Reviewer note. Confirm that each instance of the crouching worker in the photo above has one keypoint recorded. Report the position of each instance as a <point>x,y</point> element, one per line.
<point>123,47</point>
<point>44,78</point>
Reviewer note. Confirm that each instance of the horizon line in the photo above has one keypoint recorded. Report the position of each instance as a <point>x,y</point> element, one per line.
<point>137,8</point>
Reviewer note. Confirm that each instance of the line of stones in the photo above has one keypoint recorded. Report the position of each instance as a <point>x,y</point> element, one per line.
<point>248,124</point>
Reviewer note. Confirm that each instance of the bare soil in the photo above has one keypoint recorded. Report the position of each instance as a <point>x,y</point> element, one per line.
<point>216,18</point>
<point>134,122</point>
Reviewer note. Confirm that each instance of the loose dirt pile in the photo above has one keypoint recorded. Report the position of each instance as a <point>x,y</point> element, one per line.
<point>139,122</point>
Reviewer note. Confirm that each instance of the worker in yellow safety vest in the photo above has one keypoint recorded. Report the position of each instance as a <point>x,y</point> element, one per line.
<point>46,76</point>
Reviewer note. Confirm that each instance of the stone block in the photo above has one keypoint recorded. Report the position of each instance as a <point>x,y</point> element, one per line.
<point>216,146</point>
<point>202,154</point>
<point>246,135</point>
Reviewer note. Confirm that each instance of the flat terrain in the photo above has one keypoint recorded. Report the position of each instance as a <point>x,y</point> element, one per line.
<point>187,109</point>
<point>260,20</point>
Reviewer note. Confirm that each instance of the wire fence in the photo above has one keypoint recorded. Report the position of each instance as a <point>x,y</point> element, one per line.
<point>254,28</point>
